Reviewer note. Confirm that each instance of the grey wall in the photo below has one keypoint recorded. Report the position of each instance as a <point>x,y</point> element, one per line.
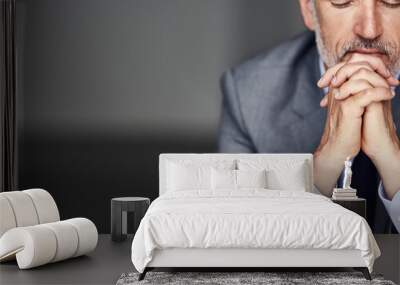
<point>105,86</point>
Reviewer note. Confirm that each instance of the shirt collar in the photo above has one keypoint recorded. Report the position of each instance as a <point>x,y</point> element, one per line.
<point>322,70</point>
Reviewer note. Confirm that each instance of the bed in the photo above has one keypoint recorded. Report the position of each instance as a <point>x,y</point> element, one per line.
<point>247,211</point>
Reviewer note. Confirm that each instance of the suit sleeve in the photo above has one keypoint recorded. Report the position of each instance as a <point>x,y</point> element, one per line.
<point>233,136</point>
<point>392,207</point>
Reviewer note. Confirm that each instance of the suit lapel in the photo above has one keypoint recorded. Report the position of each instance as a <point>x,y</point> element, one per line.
<point>308,127</point>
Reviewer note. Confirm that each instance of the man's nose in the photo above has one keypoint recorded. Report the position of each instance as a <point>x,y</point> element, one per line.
<point>368,21</point>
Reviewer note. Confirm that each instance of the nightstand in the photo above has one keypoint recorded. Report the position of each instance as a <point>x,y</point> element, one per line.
<point>119,219</point>
<point>358,205</point>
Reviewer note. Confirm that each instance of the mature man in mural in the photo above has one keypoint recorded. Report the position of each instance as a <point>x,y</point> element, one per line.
<point>331,91</point>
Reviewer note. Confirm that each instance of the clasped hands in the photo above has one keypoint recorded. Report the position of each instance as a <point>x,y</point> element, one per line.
<point>359,115</point>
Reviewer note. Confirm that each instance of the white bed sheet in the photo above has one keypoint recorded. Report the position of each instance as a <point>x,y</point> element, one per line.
<point>250,218</point>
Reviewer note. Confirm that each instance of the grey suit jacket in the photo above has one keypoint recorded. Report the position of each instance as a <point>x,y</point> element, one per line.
<point>271,102</point>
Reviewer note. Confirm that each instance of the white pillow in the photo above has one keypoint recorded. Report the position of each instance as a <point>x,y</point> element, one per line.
<point>282,174</point>
<point>190,174</point>
<point>251,178</point>
<point>223,179</point>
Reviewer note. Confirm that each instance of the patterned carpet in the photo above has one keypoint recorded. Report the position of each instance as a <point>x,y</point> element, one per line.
<point>230,278</point>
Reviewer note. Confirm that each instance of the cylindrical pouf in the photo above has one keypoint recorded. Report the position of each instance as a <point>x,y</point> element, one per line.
<point>7,219</point>
<point>45,205</point>
<point>87,234</point>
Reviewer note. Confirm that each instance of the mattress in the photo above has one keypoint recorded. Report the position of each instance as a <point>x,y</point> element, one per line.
<point>251,219</point>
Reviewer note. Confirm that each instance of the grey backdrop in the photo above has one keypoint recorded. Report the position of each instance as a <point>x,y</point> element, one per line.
<point>107,85</point>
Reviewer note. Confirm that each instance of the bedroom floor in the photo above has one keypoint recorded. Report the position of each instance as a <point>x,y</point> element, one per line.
<point>103,266</point>
<point>110,260</point>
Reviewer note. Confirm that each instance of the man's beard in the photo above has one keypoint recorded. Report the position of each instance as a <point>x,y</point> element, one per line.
<point>331,58</point>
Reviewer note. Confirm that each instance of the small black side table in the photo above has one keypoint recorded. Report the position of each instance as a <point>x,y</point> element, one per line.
<point>119,215</point>
<point>358,205</point>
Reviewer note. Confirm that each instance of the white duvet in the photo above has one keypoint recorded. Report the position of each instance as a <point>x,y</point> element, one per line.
<point>250,219</point>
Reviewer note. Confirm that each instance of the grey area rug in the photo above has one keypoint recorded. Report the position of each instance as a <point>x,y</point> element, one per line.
<point>273,278</point>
